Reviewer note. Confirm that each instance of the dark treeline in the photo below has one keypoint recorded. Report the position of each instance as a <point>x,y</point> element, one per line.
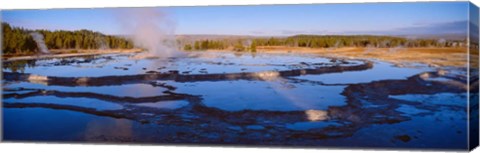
<point>239,45</point>
<point>20,41</point>
<point>206,44</point>
<point>326,41</point>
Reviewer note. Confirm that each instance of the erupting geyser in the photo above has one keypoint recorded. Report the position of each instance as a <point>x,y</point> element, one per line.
<point>151,29</point>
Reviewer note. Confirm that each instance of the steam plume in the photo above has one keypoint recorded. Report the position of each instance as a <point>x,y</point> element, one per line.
<point>102,44</point>
<point>151,29</point>
<point>40,42</point>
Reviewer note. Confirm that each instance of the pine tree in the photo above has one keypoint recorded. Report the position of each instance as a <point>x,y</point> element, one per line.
<point>187,47</point>
<point>253,47</point>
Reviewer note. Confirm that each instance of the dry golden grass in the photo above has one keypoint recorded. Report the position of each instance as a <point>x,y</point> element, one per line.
<point>457,57</point>
<point>432,56</point>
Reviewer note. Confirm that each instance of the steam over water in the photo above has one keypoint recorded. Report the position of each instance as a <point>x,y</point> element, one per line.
<point>287,97</point>
<point>40,42</point>
<point>151,29</point>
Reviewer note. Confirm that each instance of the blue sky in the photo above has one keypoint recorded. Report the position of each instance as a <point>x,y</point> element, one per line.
<point>366,18</point>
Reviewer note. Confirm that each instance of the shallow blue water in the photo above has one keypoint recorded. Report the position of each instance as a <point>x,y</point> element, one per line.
<point>380,71</point>
<point>193,63</point>
<point>264,95</point>
<point>444,128</point>
<point>38,124</point>
<point>81,102</point>
<point>127,90</point>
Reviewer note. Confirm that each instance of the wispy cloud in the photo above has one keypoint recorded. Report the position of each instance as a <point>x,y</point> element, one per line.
<point>295,32</point>
<point>445,28</point>
<point>457,28</point>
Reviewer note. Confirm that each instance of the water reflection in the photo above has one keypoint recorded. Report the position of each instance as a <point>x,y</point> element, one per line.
<point>234,98</point>
<point>316,115</point>
<point>18,66</point>
<point>381,71</point>
<point>192,63</point>
<point>43,124</point>
<point>109,130</point>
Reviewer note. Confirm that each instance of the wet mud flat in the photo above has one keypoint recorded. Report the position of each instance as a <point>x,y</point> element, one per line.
<point>236,99</point>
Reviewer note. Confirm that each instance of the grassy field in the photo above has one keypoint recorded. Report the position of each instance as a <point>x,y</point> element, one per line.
<point>436,57</point>
<point>433,56</point>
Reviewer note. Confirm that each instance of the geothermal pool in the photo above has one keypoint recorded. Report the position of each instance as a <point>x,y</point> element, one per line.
<point>235,98</point>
